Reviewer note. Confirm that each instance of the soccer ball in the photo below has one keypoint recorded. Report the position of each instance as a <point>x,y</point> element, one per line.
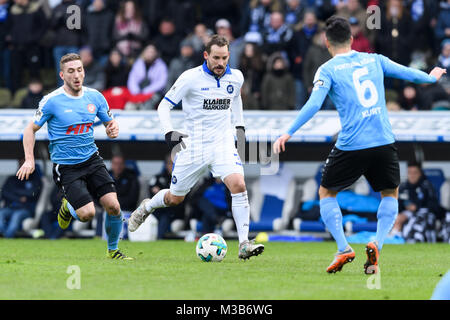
<point>211,248</point>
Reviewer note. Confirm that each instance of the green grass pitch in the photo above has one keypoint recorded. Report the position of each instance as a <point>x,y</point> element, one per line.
<point>37,269</point>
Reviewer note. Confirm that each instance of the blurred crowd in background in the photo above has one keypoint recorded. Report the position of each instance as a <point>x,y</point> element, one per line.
<point>133,51</point>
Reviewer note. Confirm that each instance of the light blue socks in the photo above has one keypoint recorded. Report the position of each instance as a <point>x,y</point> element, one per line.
<point>332,217</point>
<point>386,215</point>
<point>113,227</point>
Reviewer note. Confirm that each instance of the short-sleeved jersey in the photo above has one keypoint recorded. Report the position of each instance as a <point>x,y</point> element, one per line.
<point>207,103</point>
<point>70,122</point>
<point>356,86</point>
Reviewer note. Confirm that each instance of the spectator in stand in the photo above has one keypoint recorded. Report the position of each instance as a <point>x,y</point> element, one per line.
<point>277,89</point>
<point>223,28</point>
<point>94,72</point>
<point>186,60</point>
<point>277,36</point>
<point>198,38</point>
<point>353,8</point>
<point>410,98</point>
<point>257,18</point>
<point>127,183</point>
<point>5,54</point>
<point>147,79</point>
<point>418,207</point>
<point>20,198</point>
<point>116,73</point>
<point>360,42</point>
<point>301,40</point>
<point>442,29</point>
<point>116,70</point>
<point>294,11</point>
<point>130,30</point>
<point>66,40</point>
<point>165,215</point>
<point>213,202</point>
<point>444,62</point>
<point>34,95</point>
<point>316,56</point>
<point>167,41</point>
<point>422,24</point>
<point>99,24</point>
<point>27,24</point>
<point>252,66</point>
<point>431,94</point>
<point>394,38</point>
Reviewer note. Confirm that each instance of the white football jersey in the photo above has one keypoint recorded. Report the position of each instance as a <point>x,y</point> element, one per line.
<point>207,103</point>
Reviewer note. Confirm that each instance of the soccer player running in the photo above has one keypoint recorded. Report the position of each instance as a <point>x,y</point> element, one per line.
<point>365,145</point>
<point>210,94</point>
<point>78,169</point>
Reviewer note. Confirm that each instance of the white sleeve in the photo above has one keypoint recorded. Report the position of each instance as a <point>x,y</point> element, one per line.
<point>236,107</point>
<point>178,89</point>
<point>238,113</point>
<point>164,115</point>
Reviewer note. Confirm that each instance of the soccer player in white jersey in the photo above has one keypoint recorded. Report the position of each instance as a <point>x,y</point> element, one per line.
<point>210,96</point>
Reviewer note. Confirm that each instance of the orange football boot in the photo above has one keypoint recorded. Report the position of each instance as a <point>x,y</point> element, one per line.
<point>371,265</point>
<point>341,258</point>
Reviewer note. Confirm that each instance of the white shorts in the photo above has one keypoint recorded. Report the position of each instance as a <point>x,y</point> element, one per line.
<point>188,170</point>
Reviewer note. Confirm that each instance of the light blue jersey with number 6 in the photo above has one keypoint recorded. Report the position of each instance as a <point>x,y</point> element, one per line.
<point>355,83</point>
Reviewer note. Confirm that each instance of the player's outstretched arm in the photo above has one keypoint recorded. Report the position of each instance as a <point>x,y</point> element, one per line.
<point>112,128</point>
<point>29,139</point>
<point>398,71</point>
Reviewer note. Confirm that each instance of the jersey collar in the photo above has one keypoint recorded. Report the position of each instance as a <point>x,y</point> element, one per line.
<point>206,69</point>
<point>345,54</point>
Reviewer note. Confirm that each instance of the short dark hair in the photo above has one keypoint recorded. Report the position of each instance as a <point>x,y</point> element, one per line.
<point>337,30</point>
<point>217,40</point>
<point>414,163</point>
<point>67,58</point>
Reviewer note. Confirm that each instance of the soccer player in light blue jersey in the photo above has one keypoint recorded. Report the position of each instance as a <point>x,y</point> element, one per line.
<point>78,169</point>
<point>365,146</point>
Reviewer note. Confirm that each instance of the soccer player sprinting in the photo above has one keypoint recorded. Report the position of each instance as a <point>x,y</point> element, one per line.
<point>210,94</point>
<point>78,170</point>
<point>365,145</point>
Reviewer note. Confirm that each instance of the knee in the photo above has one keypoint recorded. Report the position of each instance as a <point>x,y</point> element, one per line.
<point>86,214</point>
<point>172,200</point>
<point>326,193</point>
<point>238,186</point>
<point>113,209</point>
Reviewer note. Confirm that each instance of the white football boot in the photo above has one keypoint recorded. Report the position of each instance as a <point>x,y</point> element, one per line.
<point>138,216</point>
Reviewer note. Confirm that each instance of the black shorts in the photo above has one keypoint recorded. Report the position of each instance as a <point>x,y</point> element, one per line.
<point>82,182</point>
<point>379,165</point>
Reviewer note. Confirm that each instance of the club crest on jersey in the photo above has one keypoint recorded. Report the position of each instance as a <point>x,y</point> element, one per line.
<point>230,88</point>
<point>91,108</point>
<point>174,180</point>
